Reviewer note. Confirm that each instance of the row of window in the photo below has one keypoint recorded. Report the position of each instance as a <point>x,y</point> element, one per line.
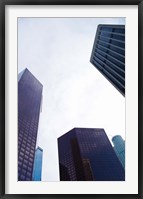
<point>110,66</point>
<point>110,77</point>
<point>26,154</point>
<point>112,36</point>
<point>27,139</point>
<point>27,128</point>
<point>28,123</point>
<point>23,178</point>
<point>25,160</point>
<point>30,143</point>
<point>110,58</point>
<point>117,56</point>
<point>108,62</point>
<point>116,30</point>
<point>24,172</point>
<point>26,147</point>
<point>108,40</point>
<point>113,48</point>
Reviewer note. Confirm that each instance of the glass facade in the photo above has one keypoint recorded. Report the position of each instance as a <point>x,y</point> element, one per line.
<point>37,168</point>
<point>29,102</point>
<point>86,154</point>
<point>108,54</point>
<point>119,147</point>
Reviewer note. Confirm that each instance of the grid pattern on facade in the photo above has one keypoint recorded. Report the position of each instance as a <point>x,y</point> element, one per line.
<point>93,157</point>
<point>29,102</point>
<point>108,54</point>
<point>66,161</point>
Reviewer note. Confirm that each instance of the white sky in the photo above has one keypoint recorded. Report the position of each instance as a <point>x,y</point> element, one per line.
<point>57,52</point>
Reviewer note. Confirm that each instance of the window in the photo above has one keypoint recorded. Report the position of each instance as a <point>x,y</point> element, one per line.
<point>25,161</point>
<point>118,30</point>
<point>109,29</point>
<point>119,44</point>
<point>28,174</point>
<point>22,177</point>
<point>23,171</point>
<point>29,169</point>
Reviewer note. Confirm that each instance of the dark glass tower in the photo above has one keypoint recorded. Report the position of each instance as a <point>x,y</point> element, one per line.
<point>108,54</point>
<point>29,104</point>
<point>119,147</point>
<point>86,154</point>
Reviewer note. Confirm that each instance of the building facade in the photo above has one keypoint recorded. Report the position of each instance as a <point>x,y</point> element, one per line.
<point>86,154</point>
<point>108,54</point>
<point>37,168</point>
<point>119,147</point>
<point>29,106</point>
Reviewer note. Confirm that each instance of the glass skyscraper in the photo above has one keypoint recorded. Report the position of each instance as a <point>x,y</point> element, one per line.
<point>29,105</point>
<point>86,154</point>
<point>119,147</point>
<point>37,169</point>
<point>108,54</point>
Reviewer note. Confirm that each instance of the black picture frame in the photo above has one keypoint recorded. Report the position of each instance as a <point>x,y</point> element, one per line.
<point>3,3</point>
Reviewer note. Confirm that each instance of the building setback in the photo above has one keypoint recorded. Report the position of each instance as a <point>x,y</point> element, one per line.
<point>108,54</point>
<point>37,168</point>
<point>119,147</point>
<point>86,154</point>
<point>29,104</point>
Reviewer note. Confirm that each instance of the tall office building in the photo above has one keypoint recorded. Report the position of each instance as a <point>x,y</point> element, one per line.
<point>119,147</point>
<point>108,54</point>
<point>29,105</point>
<point>37,168</point>
<point>86,154</point>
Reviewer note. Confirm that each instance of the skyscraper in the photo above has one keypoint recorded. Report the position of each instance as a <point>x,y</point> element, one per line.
<point>108,54</point>
<point>37,168</point>
<point>119,147</point>
<point>86,154</point>
<point>29,104</point>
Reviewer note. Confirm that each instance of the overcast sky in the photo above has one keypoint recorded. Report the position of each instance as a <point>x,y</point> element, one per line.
<point>57,52</point>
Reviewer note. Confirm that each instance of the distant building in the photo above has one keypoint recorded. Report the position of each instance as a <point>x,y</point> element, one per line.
<point>86,154</point>
<point>119,147</point>
<point>37,168</point>
<point>29,105</point>
<point>108,54</point>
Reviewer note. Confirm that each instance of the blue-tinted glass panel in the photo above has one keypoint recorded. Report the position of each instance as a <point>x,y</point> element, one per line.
<point>116,62</point>
<point>111,63</point>
<point>107,29</point>
<point>101,53</point>
<point>117,56</point>
<point>112,71</point>
<point>99,61</point>
<point>115,68</point>
<point>103,44</point>
<point>110,68</point>
<point>103,49</point>
<point>118,37</point>
<point>106,39</point>
<point>118,50</point>
<point>119,30</point>
<point>105,34</point>
<point>100,57</point>
<point>119,44</point>
<point>98,64</point>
